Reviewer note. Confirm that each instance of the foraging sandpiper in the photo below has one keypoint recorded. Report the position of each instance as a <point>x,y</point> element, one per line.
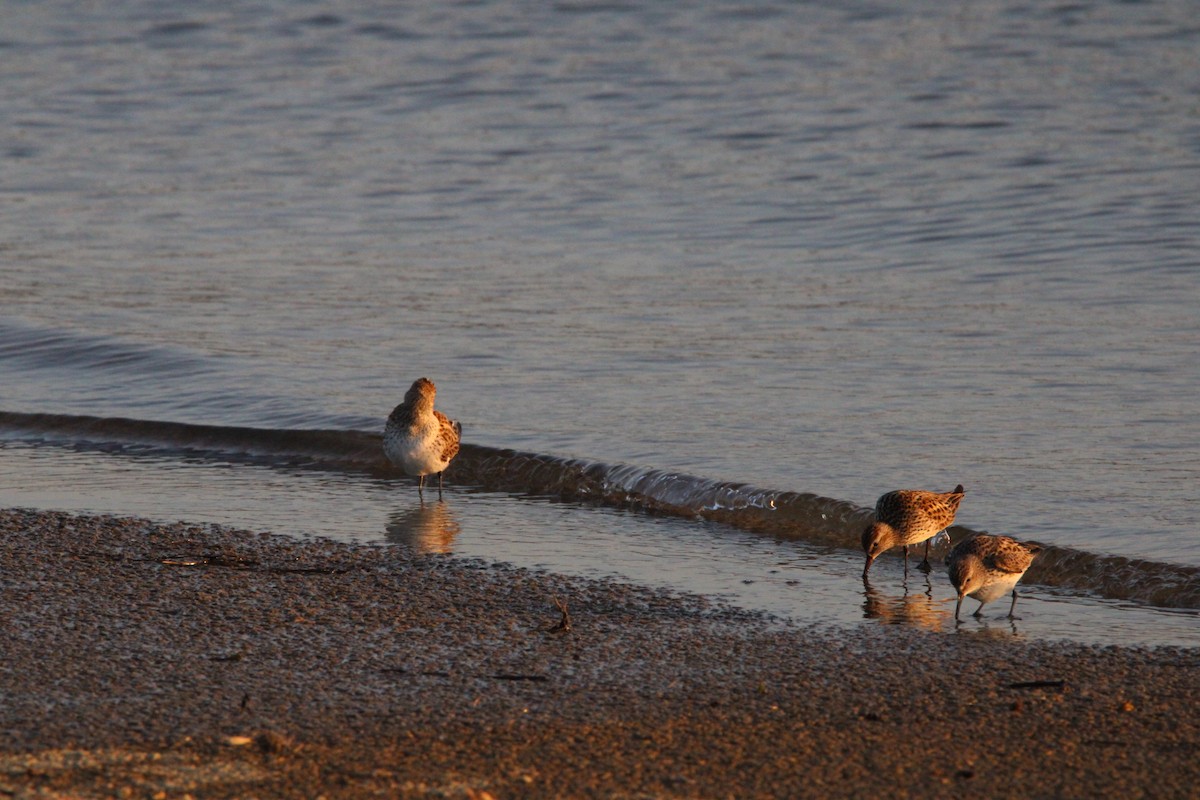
<point>909,516</point>
<point>986,566</point>
<point>419,439</point>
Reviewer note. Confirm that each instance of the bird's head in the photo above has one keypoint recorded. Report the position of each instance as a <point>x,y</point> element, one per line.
<point>877,538</point>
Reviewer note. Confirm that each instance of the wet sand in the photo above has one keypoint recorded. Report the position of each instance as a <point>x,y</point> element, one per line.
<point>149,660</point>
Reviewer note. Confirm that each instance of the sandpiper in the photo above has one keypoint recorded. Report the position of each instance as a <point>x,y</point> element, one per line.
<point>986,566</point>
<point>419,439</point>
<point>909,516</point>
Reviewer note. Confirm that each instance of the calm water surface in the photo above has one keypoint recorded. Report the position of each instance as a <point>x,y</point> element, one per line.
<point>807,247</point>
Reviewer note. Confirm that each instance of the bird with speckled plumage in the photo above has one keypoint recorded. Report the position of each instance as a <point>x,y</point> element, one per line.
<point>986,566</point>
<point>907,517</point>
<point>418,438</point>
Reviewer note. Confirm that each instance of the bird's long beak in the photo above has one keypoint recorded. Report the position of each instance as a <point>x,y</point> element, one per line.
<point>867,568</point>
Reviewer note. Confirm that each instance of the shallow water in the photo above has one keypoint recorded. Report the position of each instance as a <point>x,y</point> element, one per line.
<point>804,571</point>
<point>805,247</point>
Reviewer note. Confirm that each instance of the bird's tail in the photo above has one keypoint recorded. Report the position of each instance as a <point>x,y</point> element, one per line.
<point>955,498</point>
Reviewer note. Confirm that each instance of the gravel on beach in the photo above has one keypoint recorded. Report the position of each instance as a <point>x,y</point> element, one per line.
<point>150,660</point>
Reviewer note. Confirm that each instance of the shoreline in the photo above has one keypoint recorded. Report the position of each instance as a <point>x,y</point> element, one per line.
<point>184,659</point>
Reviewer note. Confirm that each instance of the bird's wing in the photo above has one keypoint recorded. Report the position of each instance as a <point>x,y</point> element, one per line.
<point>449,435</point>
<point>1010,558</point>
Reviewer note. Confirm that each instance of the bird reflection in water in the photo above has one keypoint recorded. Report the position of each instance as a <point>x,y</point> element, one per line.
<point>919,610</point>
<point>426,528</point>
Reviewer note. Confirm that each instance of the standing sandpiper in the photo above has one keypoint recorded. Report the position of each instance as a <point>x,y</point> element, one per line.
<point>419,439</point>
<point>985,567</point>
<point>909,516</point>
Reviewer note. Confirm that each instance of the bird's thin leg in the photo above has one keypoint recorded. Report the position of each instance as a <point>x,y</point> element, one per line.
<point>1013,607</point>
<point>421,486</point>
<point>924,566</point>
<point>979,611</point>
<point>439,486</point>
<point>957,607</point>
<point>905,561</point>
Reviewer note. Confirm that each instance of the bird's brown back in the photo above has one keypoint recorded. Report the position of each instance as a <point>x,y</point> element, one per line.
<point>916,514</point>
<point>996,553</point>
<point>1010,555</point>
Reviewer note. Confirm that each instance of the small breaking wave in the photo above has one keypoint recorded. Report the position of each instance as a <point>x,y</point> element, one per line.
<point>34,348</point>
<point>783,514</point>
<point>99,372</point>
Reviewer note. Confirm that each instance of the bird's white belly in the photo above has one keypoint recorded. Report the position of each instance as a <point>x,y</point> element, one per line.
<point>996,588</point>
<point>416,455</point>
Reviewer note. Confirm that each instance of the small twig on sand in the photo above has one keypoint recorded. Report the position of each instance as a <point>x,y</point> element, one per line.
<point>1060,685</point>
<point>564,624</point>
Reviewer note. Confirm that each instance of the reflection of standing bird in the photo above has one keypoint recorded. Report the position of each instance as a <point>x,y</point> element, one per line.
<point>985,567</point>
<point>419,439</point>
<point>909,516</point>
<point>425,528</point>
<point>917,610</point>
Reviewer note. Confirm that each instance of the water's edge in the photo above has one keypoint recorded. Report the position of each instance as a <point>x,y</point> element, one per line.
<point>787,515</point>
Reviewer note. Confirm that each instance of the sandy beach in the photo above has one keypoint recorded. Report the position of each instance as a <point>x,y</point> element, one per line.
<point>146,660</point>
